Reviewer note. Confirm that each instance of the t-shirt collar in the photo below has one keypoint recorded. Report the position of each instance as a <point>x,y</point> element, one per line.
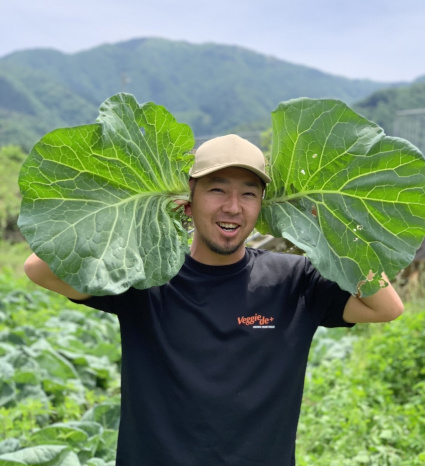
<point>217,269</point>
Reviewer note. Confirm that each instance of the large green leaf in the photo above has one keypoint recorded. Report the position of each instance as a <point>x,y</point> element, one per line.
<point>53,366</point>
<point>79,436</point>
<point>106,414</point>
<point>96,198</point>
<point>350,196</point>
<point>45,455</point>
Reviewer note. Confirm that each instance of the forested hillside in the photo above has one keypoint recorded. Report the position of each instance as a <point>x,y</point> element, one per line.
<point>382,106</point>
<point>213,88</point>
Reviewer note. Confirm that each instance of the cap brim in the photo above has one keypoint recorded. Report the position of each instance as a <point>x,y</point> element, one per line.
<point>215,168</point>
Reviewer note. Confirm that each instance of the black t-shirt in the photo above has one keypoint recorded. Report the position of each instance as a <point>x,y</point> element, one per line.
<point>213,362</point>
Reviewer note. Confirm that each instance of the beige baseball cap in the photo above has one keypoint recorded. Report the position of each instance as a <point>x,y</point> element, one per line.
<point>228,151</point>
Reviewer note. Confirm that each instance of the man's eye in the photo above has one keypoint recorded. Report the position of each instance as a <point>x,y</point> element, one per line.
<point>250,194</point>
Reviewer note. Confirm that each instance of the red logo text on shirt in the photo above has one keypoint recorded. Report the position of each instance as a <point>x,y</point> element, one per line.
<point>256,321</point>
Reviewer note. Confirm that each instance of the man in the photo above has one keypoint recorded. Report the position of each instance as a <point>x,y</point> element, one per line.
<point>213,362</point>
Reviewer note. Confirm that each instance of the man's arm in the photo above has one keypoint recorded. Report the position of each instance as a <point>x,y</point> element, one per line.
<point>383,306</point>
<point>39,272</point>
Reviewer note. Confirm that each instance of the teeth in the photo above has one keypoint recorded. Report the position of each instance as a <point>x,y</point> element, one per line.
<point>228,225</point>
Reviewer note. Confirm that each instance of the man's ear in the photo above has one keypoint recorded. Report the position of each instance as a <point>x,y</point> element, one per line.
<point>188,207</point>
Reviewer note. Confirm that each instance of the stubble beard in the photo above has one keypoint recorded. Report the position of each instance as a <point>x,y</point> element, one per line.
<point>226,250</point>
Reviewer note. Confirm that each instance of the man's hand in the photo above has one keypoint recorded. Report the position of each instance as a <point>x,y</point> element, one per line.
<point>179,203</point>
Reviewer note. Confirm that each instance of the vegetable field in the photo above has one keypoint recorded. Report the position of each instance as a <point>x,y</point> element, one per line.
<point>59,380</point>
<point>364,404</point>
<point>59,387</point>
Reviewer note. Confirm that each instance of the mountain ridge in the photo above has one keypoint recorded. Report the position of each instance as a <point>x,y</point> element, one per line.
<point>212,87</point>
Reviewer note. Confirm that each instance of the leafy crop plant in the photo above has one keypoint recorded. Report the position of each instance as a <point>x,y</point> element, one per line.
<point>98,199</point>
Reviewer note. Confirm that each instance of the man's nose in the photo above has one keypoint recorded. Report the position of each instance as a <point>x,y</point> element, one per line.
<point>232,204</point>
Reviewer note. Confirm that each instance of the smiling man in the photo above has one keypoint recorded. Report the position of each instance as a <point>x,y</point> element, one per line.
<point>213,362</point>
<point>225,209</point>
<point>229,177</point>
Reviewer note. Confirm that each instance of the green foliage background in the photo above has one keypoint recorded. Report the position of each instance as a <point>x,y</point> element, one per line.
<point>59,386</point>
<point>381,106</point>
<point>367,407</point>
<point>59,378</point>
<point>11,160</point>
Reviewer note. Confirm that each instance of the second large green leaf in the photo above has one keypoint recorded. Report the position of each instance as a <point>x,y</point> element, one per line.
<point>350,196</point>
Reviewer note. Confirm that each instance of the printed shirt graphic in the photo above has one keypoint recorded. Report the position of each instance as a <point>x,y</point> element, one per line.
<point>257,321</point>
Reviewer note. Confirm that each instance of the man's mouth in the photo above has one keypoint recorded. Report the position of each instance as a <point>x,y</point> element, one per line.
<point>228,226</point>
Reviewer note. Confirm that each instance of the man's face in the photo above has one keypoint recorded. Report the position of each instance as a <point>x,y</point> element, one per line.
<point>224,208</point>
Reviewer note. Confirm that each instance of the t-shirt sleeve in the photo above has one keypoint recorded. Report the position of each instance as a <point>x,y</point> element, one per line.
<point>325,299</point>
<point>102,303</point>
<point>117,304</point>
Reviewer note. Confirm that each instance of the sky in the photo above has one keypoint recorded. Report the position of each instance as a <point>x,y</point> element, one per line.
<point>381,40</point>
